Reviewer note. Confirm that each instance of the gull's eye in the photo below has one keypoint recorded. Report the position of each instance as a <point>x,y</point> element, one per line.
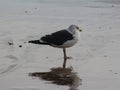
<point>77,27</point>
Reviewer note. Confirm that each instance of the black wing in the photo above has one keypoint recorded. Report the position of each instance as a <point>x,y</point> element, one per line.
<point>57,38</point>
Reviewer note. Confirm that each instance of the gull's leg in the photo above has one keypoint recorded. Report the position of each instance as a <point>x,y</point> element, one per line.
<point>65,57</point>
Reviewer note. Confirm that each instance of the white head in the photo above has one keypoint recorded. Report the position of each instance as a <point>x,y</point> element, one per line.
<point>73,29</point>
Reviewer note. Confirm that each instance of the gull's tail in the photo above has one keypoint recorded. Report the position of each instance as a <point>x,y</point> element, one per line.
<point>38,42</point>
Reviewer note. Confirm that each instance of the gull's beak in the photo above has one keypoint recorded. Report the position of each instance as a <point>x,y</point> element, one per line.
<point>80,30</point>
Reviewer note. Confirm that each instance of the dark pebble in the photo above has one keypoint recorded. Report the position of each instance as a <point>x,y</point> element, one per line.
<point>20,46</point>
<point>10,43</point>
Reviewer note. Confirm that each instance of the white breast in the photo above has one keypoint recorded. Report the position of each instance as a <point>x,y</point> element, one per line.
<point>72,42</point>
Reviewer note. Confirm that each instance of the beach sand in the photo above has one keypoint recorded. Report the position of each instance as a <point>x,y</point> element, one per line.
<point>95,62</point>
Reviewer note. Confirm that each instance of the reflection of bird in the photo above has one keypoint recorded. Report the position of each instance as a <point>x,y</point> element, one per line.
<point>61,39</point>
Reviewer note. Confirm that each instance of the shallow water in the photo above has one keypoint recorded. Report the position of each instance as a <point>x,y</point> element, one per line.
<point>109,1</point>
<point>71,2</point>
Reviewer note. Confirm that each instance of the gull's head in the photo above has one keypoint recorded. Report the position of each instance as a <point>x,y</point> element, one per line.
<point>74,28</point>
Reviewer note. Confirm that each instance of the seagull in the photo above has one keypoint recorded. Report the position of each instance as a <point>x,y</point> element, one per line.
<point>61,39</point>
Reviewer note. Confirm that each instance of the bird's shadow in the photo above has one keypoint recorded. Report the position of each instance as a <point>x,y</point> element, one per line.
<point>60,76</point>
